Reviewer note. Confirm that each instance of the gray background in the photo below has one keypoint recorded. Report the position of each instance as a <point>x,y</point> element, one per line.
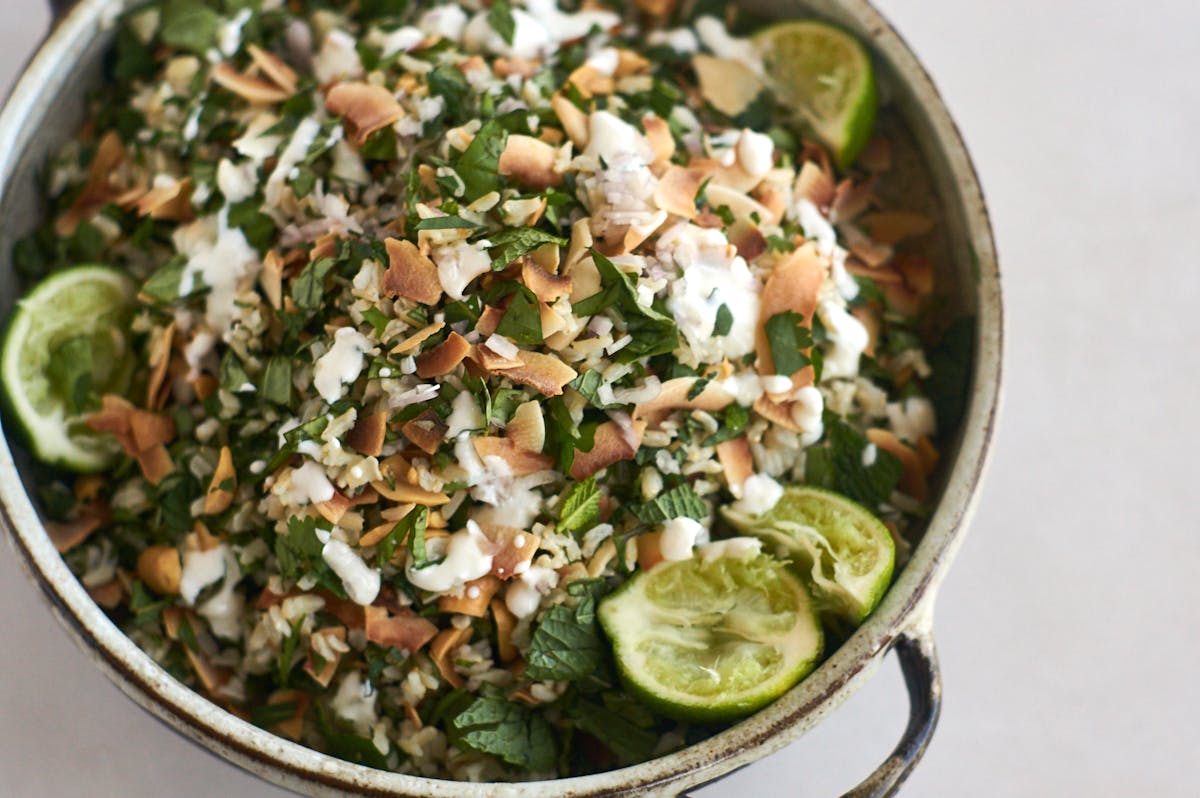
<point>1069,626</point>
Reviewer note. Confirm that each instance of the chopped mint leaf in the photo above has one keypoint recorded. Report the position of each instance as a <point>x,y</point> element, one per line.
<point>277,380</point>
<point>678,502</point>
<point>522,319</point>
<point>189,25</point>
<point>163,286</point>
<point>510,245</point>
<point>724,322</point>
<point>621,724</point>
<point>567,643</point>
<point>505,402</point>
<point>446,223</point>
<point>788,335</point>
<point>410,528</point>
<point>500,17</point>
<point>348,746</point>
<point>868,485</point>
<point>377,319</point>
<point>580,509</point>
<point>494,724</point>
<point>734,421</point>
<point>233,376</point>
<point>256,226</point>
<point>479,166</point>
<point>308,290</point>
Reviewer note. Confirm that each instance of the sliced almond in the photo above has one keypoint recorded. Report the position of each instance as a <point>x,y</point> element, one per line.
<point>793,286</point>
<point>368,434</point>
<point>611,445</point>
<point>414,341</point>
<point>443,358</point>
<point>928,454</point>
<point>677,189</point>
<point>729,86</point>
<point>406,632</point>
<point>364,107</point>
<point>426,431</point>
<point>440,651</point>
<point>170,202</point>
<point>531,161</point>
<point>525,67</point>
<point>914,479</point>
<point>410,274</point>
<point>522,462</point>
<point>735,457</point>
<point>219,497</point>
<point>741,205</point>
<point>544,373</point>
<point>476,596</point>
<point>252,89</point>
<point>505,623</point>
<point>545,286</point>
<point>514,550</point>
<point>274,67</point>
<point>574,121</point>
<point>527,428</point>
<point>410,494</point>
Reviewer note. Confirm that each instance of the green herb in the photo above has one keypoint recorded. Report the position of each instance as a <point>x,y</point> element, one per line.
<point>734,421</point>
<point>308,290</point>
<point>189,25</point>
<point>299,554</point>
<point>287,658</point>
<point>500,17</point>
<point>698,388</point>
<point>621,723</point>
<point>163,286</point>
<point>505,402</point>
<point>233,376</point>
<point>950,361</point>
<point>522,319</point>
<point>348,746</point>
<point>869,485</point>
<point>653,331</point>
<point>146,609</point>
<point>450,83</point>
<point>724,321</point>
<point>70,372</point>
<point>270,715</point>
<point>588,385</point>
<point>788,335</point>
<point>567,643</point>
<point>380,146</point>
<point>495,725</point>
<point>510,245</point>
<point>377,319</point>
<point>446,223</point>
<point>410,528</point>
<point>277,380</point>
<point>580,507</point>
<point>678,502</point>
<point>478,167</point>
<point>258,228</point>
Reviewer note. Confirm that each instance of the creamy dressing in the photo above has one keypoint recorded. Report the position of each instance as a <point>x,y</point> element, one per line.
<point>524,594</point>
<point>361,581</point>
<point>760,494</point>
<point>354,702</point>
<point>224,609</point>
<point>807,411</point>
<point>716,37</point>
<point>200,569</point>
<point>311,483</point>
<point>342,364</point>
<point>467,556</point>
<point>295,152</point>
<point>256,144</point>
<point>755,153</point>
<point>447,21</point>
<point>869,454</point>
<point>338,58</point>
<point>678,537</point>
<point>681,40</point>
<point>400,40</point>
<point>912,419</point>
<point>230,36</point>
<point>236,183</point>
<point>848,336</point>
<point>605,61</point>
<point>220,258</point>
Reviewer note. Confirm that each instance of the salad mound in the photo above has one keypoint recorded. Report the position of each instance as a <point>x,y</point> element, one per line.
<point>460,329</point>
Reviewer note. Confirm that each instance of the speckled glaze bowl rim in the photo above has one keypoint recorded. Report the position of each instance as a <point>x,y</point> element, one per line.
<point>906,609</point>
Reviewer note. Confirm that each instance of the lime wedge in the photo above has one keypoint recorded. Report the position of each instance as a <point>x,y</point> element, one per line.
<point>66,345</point>
<point>712,640</point>
<point>845,554</point>
<point>824,75</point>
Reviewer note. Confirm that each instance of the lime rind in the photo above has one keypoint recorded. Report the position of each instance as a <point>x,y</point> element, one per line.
<point>85,300</point>
<point>713,640</point>
<point>844,553</point>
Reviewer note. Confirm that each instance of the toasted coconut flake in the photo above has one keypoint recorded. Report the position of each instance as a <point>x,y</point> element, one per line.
<point>364,107</point>
<point>514,550</point>
<point>544,373</point>
<point>108,595</point>
<point>114,418</point>
<point>527,428</point>
<point>545,286</point>
<point>735,457</point>
<point>793,286</point>
<point>334,508</point>
<point>552,322</point>
<point>815,183</point>
<point>591,82</point>
<point>324,247</point>
<point>522,462</point>
<point>324,675</point>
<point>850,199</point>
<point>155,463</point>
<point>928,454</point>
<point>274,68</point>
<point>657,8</point>
<point>443,358</point>
<point>677,189</point>
<point>531,162</point>
<point>410,494</point>
<point>777,413</point>
<point>271,279</point>
<point>730,86</point>
<point>252,89</point>
<point>66,535</point>
<point>547,256</point>
<point>742,206</point>
<point>914,479</point>
<point>603,556</point>
<point>160,360</point>
<point>219,496</point>
<point>649,550</point>
<point>407,632</point>
<point>872,253</point>
<point>611,445</point>
<point>870,320</point>
<point>150,429</point>
<point>426,431</point>
<point>411,274</point>
<point>489,320</point>
<point>574,121</point>
<point>901,299</point>
<point>491,362</point>
<point>293,727</point>
<point>352,615</point>
<point>892,227</point>
<point>748,240</point>
<point>212,677</point>
<point>415,340</point>
<point>476,596</point>
<point>525,67</point>
<point>160,568</point>
<point>204,386</point>
<point>367,434</point>
<point>674,396</point>
<point>98,190</point>
<point>171,202</point>
<point>658,136</point>
<point>444,645</point>
<point>917,271</point>
<point>505,623</point>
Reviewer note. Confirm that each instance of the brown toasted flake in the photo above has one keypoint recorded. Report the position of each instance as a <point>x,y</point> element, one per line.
<point>730,86</point>
<point>735,457</point>
<point>591,82</point>
<point>410,274</point>
<point>171,202</point>
<point>675,396</point>
<point>774,199</point>
<point>525,67</point>
<point>613,443</point>
<point>657,8</point>
<point>426,431</point>
<point>574,121</point>
<point>531,162</point>
<point>373,536</point>
<point>603,556</point>
<point>293,726</point>
<point>850,199</point>
<point>472,64</point>
<point>212,677</point>
<point>571,572</point>
<point>677,189</point>
<point>204,386</point>
<point>66,535</point>
<point>489,320</point>
<point>364,107</point>
<point>441,651</point>
<point>777,413</point>
<point>324,675</point>
<point>526,696</point>
<point>367,434</point>
<point>407,493</point>
<point>793,286</point>
<point>630,63</point>
<point>475,597</point>
<point>114,418</point>
<point>552,322</point>
<point>861,246</point>
<point>544,373</point>
<point>741,205</point>
<point>649,550</point>
<point>160,568</point>
<point>917,271</point>
<point>491,362</point>
<point>274,67</point>
<point>545,286</point>
<point>443,358</point>
<point>748,239</point>
<point>505,623</point>
<point>108,595</point>
<point>407,632</point>
<point>514,550</point>
<point>658,135</point>
<point>160,360</point>
<point>522,462</point>
<point>815,183</point>
<point>333,508</point>
<point>324,247</point>
<point>150,429</point>
<point>527,428</point>
<point>870,320</point>
<point>928,454</point>
<point>224,483</point>
<point>412,342</point>
<point>201,539</point>
<point>547,256</point>
<point>914,479</point>
<point>155,463</point>
<point>900,298</point>
<point>892,227</point>
<point>99,188</point>
<point>87,487</point>
<point>271,279</point>
<point>251,88</point>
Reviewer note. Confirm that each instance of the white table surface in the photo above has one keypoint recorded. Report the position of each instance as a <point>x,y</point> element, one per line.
<point>1068,628</point>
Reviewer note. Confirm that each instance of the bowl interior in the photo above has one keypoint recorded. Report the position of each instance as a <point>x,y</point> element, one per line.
<point>931,173</point>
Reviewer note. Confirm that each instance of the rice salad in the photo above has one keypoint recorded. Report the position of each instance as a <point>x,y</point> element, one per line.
<point>450,318</point>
